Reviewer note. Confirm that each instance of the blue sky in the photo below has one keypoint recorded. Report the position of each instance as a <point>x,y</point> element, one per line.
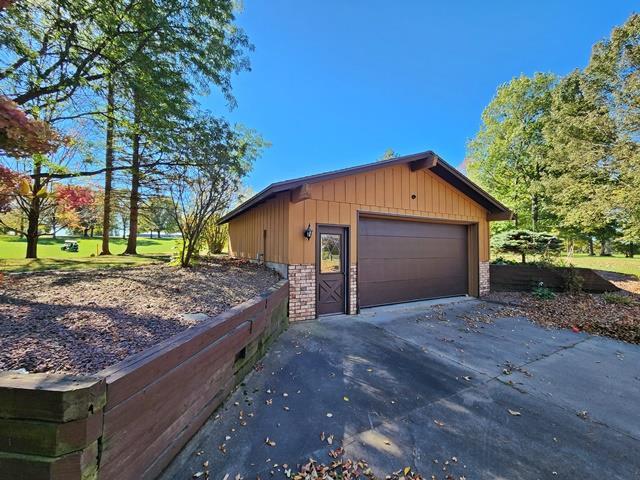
<point>335,83</point>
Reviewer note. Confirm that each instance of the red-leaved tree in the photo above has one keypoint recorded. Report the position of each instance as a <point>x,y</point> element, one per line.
<point>9,185</point>
<point>21,135</point>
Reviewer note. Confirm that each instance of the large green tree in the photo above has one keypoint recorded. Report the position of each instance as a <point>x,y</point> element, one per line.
<point>594,132</point>
<point>509,154</point>
<point>60,59</point>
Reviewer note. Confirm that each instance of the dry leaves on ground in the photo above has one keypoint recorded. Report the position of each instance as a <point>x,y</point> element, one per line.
<point>347,469</point>
<point>591,313</point>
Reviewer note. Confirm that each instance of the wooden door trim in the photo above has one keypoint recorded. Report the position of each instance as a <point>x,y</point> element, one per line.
<point>346,235</point>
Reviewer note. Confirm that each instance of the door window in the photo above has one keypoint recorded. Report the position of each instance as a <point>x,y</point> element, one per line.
<point>330,253</point>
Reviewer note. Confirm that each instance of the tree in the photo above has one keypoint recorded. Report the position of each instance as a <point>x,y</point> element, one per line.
<point>614,74</point>
<point>10,181</point>
<point>526,242</point>
<point>581,178</point>
<point>509,155</point>
<point>388,154</point>
<point>210,161</point>
<point>56,57</point>
<point>20,135</point>
<point>158,212</point>
<point>215,236</point>
<point>55,48</point>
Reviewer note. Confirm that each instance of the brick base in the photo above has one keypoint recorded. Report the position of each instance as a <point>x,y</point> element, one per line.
<point>353,289</point>
<point>485,283</point>
<point>302,292</point>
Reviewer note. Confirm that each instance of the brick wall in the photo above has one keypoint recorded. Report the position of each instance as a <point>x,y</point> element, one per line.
<point>302,292</point>
<point>353,289</point>
<point>485,284</point>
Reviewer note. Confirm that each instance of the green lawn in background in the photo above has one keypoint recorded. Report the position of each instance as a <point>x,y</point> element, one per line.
<point>615,263</point>
<point>51,257</point>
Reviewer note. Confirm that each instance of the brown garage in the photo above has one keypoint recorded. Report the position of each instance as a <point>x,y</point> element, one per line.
<point>398,230</point>
<point>402,261</point>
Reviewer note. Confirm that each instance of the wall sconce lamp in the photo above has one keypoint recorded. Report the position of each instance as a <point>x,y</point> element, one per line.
<point>308,232</point>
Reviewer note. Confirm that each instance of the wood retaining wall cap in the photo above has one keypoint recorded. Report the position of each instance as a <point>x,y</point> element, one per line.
<point>52,397</point>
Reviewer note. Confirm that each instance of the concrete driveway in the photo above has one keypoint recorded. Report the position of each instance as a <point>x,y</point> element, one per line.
<point>415,384</point>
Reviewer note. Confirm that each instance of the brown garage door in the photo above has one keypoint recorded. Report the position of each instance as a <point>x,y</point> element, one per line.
<point>400,261</point>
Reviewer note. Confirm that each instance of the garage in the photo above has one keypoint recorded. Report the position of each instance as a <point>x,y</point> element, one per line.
<point>401,261</point>
<point>408,228</point>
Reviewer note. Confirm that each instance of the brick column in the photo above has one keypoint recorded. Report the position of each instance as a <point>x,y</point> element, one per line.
<point>353,289</point>
<point>485,283</point>
<point>302,292</point>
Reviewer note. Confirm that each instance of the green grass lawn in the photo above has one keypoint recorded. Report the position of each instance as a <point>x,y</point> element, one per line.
<point>616,263</point>
<point>51,257</point>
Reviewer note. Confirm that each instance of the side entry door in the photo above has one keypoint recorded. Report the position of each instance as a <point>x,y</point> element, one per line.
<point>331,265</point>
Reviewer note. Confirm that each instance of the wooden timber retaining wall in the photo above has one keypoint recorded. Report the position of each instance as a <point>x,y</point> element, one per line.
<point>129,420</point>
<point>523,278</point>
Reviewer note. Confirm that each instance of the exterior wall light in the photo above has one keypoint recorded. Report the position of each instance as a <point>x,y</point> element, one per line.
<point>308,232</point>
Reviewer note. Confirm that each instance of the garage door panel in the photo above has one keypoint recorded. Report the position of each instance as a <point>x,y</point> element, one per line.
<point>400,261</point>
<point>409,268</point>
<point>382,293</point>
<point>402,228</point>
<point>411,247</point>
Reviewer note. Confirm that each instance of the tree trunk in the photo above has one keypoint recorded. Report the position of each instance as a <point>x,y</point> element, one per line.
<point>32,230</point>
<point>53,224</point>
<point>91,234</point>
<point>134,198</point>
<point>535,212</point>
<point>591,252</point>
<point>33,216</point>
<point>603,248</point>
<point>108,175</point>
<point>158,233</point>
<point>523,257</point>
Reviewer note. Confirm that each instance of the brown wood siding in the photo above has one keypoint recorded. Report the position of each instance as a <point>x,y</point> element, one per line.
<point>246,232</point>
<point>385,191</point>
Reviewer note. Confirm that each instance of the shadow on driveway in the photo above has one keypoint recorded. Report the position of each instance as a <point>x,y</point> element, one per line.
<point>417,384</point>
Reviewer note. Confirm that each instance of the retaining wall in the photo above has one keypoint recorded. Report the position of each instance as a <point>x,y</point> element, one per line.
<point>129,420</point>
<point>524,277</point>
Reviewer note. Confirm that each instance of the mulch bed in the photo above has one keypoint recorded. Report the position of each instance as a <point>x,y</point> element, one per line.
<point>591,313</point>
<point>82,322</point>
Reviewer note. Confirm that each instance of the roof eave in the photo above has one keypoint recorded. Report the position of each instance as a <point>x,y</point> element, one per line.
<point>441,168</point>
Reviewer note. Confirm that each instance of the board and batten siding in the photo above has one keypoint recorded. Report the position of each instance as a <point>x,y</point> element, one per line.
<point>385,191</point>
<point>247,231</point>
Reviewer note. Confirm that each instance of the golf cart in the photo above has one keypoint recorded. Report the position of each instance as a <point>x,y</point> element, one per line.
<point>70,246</point>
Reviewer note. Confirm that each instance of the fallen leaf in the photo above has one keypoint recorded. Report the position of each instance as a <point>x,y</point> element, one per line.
<point>329,415</point>
<point>198,474</point>
<point>439,423</point>
<point>270,442</point>
<point>345,398</point>
<point>513,412</point>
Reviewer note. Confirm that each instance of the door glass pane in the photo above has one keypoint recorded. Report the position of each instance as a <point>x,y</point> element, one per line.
<point>330,253</point>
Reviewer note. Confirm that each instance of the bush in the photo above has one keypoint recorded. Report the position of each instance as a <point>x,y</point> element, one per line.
<point>503,261</point>
<point>214,237</point>
<point>617,299</point>
<point>543,293</point>
<point>573,281</point>
<point>526,242</point>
